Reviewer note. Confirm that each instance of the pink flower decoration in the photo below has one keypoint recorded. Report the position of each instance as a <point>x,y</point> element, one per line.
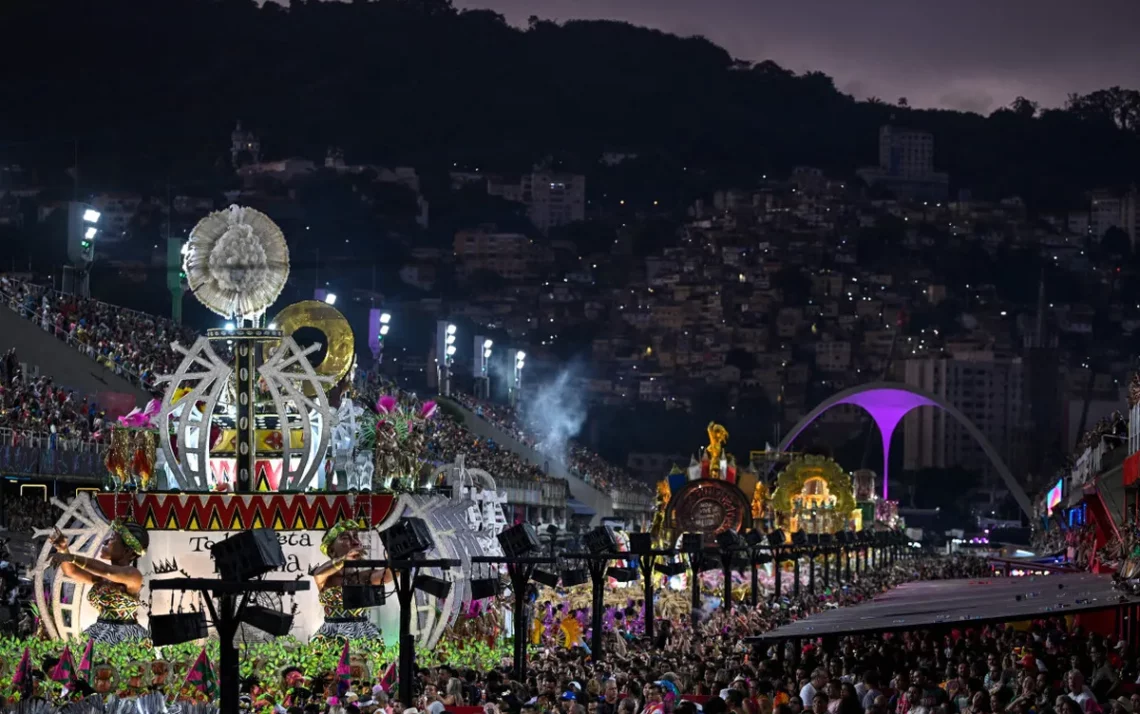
<point>428,409</point>
<point>386,404</point>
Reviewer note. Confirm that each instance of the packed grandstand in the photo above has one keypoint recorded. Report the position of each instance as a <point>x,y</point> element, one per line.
<point>1048,665</point>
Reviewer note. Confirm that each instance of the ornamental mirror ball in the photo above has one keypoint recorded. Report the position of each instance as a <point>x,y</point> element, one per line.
<point>236,262</point>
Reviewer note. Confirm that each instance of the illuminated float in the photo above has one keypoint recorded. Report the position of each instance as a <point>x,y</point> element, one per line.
<point>815,495</point>
<point>257,428</point>
<point>810,493</point>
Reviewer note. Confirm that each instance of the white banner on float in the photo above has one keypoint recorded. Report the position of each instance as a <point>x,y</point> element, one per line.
<point>189,552</point>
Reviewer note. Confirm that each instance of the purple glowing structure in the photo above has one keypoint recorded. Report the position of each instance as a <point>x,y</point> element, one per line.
<point>888,403</point>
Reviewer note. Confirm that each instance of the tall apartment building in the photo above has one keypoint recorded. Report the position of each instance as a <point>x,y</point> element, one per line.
<point>988,390</point>
<point>1108,210</point>
<point>906,165</point>
<point>551,199</point>
<point>509,255</point>
<point>905,153</point>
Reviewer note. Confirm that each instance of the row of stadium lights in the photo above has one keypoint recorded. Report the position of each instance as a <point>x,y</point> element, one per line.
<point>330,298</point>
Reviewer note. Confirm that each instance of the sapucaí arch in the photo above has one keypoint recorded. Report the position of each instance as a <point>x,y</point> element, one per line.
<point>888,403</point>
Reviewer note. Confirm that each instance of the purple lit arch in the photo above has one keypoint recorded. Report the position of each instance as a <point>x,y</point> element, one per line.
<point>888,403</point>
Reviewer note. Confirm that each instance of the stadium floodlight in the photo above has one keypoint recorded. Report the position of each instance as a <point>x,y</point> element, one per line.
<point>330,298</point>
<point>90,233</point>
<point>91,215</point>
<point>384,329</point>
<point>385,318</point>
<point>451,329</point>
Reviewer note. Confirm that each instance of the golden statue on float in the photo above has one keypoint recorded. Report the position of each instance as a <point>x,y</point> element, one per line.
<point>718,436</point>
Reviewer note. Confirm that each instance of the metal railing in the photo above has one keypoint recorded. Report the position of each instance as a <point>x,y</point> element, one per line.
<point>49,441</point>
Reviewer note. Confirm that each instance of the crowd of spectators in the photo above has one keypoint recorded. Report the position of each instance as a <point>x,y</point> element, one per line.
<point>1049,668</point>
<point>710,662</point>
<point>111,335</point>
<point>22,514</point>
<point>580,461</point>
<point>134,345</point>
<point>34,411</point>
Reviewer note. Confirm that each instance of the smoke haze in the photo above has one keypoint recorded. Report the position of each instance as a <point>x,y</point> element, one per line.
<point>554,412</point>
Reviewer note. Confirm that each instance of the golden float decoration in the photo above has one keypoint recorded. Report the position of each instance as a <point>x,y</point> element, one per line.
<point>340,348</point>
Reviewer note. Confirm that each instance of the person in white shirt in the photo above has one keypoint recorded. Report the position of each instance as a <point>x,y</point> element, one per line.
<point>817,682</point>
<point>1080,694</point>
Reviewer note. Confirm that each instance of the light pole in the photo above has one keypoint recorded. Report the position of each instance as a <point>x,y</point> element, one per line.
<point>445,354</point>
<point>641,545</point>
<point>481,372</point>
<point>83,228</point>
<point>518,359</point>
<point>379,323</point>
<point>730,543</point>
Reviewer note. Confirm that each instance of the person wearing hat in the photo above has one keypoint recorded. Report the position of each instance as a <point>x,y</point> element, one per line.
<point>567,701</point>
<point>341,544</point>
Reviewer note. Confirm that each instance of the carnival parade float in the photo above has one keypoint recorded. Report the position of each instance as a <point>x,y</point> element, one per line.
<point>259,428</point>
<point>792,498</point>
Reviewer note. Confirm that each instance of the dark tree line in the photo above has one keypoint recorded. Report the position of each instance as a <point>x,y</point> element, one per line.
<point>152,89</point>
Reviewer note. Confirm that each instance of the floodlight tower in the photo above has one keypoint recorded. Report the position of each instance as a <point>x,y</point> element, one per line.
<point>445,354</point>
<point>175,277</point>
<point>379,324</point>
<point>481,370</point>
<point>517,360</point>
<point>82,229</point>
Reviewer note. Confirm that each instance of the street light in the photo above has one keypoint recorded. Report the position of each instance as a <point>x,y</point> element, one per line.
<point>445,354</point>
<point>90,215</point>
<point>90,233</point>
<point>330,298</point>
<point>481,365</point>
<point>516,377</point>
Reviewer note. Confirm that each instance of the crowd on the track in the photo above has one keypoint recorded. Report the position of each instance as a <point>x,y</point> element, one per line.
<point>580,461</point>
<point>1050,667</point>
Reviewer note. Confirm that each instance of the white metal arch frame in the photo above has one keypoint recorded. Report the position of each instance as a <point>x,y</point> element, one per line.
<point>888,403</point>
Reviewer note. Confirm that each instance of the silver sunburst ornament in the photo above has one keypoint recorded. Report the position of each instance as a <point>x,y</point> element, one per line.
<point>236,262</point>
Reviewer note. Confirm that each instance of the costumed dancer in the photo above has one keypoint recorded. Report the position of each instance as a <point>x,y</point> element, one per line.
<point>342,543</point>
<point>114,578</point>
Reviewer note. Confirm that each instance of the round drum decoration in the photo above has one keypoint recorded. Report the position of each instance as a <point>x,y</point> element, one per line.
<point>312,321</point>
<point>709,506</point>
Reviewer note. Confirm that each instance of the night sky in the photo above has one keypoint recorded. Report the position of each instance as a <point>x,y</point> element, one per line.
<point>974,55</point>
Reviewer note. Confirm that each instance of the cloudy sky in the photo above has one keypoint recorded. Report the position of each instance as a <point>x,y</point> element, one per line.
<point>973,55</point>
